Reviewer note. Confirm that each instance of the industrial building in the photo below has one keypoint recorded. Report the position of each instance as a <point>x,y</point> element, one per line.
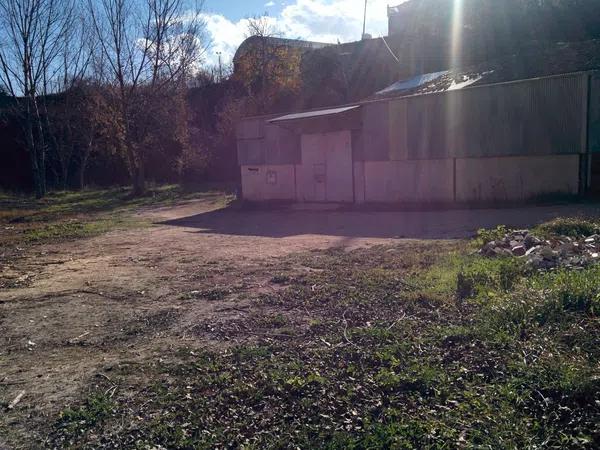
<point>504,142</point>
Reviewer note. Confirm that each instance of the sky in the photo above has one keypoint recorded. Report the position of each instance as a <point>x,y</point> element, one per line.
<point>316,20</point>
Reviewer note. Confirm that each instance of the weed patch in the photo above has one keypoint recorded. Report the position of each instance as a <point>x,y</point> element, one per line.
<point>573,227</point>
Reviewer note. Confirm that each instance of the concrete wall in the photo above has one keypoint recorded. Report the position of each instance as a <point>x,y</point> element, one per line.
<point>515,178</point>
<point>432,181</point>
<point>359,182</point>
<point>268,182</point>
<point>425,181</point>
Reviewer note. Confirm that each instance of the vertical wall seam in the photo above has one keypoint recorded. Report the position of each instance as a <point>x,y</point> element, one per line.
<point>584,159</point>
<point>295,184</point>
<point>454,179</point>
<point>588,127</point>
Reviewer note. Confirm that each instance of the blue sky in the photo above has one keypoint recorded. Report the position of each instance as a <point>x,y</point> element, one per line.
<point>318,20</point>
<point>236,10</point>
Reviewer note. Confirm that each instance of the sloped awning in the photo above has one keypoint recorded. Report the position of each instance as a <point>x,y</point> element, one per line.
<point>314,114</point>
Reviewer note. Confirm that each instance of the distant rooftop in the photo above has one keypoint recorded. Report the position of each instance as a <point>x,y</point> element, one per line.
<point>277,41</point>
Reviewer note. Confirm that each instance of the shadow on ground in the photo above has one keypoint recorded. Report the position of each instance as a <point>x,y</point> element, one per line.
<point>445,224</point>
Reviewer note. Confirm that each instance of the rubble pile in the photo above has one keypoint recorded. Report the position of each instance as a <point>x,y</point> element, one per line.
<point>559,251</point>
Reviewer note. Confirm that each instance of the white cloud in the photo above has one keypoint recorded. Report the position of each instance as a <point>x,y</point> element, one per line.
<point>270,4</point>
<point>315,20</point>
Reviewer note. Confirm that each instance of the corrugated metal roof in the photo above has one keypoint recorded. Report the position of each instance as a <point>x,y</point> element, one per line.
<point>412,83</point>
<point>310,114</point>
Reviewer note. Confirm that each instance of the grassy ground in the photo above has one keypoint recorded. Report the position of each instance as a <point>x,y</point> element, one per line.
<point>422,344</point>
<point>371,349</point>
<point>72,215</point>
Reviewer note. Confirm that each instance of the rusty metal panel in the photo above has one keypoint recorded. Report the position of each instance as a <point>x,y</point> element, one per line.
<point>594,114</point>
<point>376,131</point>
<point>282,146</point>
<point>251,151</point>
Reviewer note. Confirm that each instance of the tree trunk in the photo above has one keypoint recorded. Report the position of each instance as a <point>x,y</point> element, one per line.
<point>139,179</point>
<point>136,169</point>
<point>82,177</point>
<point>39,185</point>
<point>83,165</point>
<point>40,148</point>
<point>64,175</point>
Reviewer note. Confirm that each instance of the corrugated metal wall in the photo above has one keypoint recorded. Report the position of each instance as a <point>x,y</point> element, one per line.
<point>594,131</point>
<point>262,143</point>
<point>533,117</point>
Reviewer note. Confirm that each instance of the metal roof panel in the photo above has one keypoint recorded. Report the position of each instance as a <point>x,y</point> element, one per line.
<point>311,114</point>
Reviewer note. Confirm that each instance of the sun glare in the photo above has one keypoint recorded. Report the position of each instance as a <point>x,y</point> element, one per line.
<point>456,38</point>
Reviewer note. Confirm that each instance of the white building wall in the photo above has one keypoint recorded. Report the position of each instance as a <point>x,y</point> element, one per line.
<point>423,181</point>
<point>515,178</point>
<point>276,182</point>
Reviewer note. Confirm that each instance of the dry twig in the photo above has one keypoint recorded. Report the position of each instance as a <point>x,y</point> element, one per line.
<point>16,400</point>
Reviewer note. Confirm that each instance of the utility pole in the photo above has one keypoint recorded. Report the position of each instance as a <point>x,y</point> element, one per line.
<point>220,67</point>
<point>364,22</point>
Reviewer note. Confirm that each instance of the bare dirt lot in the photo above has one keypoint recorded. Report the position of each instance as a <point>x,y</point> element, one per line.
<point>86,307</point>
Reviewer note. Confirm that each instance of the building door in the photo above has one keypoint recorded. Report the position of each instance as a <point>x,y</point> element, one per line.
<point>325,173</point>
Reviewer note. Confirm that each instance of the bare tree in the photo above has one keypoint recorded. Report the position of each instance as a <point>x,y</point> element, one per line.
<point>269,67</point>
<point>71,78</point>
<point>30,42</point>
<point>149,47</point>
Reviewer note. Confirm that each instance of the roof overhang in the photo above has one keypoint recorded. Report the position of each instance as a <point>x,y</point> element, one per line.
<point>314,114</point>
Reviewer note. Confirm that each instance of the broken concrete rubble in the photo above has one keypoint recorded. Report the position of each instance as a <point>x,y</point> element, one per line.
<point>558,251</point>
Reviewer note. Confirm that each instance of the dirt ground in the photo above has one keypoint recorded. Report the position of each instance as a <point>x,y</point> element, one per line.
<point>89,305</point>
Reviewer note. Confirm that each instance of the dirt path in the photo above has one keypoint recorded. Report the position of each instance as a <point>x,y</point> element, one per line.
<point>131,295</point>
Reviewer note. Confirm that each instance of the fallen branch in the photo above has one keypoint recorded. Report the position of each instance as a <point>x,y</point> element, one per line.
<point>255,333</point>
<point>99,374</point>
<point>11,383</point>
<point>232,308</point>
<point>75,339</point>
<point>396,321</point>
<point>328,344</point>
<point>16,400</point>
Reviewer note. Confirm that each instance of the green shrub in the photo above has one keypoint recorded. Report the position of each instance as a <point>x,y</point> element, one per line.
<point>485,235</point>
